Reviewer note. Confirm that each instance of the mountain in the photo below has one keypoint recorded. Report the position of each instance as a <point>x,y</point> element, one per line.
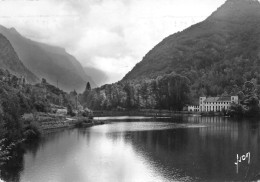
<point>50,62</point>
<point>99,77</point>
<point>9,60</point>
<point>231,32</point>
<point>218,56</point>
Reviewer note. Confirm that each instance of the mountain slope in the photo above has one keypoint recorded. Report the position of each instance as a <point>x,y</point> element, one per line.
<point>10,61</point>
<point>99,77</point>
<point>219,56</point>
<point>50,62</point>
<point>233,31</point>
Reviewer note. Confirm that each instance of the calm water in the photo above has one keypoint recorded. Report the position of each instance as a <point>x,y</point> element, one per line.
<point>180,149</point>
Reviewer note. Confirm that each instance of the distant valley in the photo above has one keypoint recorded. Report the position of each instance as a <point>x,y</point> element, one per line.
<point>98,76</point>
<point>49,62</point>
<point>9,60</point>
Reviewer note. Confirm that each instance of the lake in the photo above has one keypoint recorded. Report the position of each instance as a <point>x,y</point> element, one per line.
<point>185,148</point>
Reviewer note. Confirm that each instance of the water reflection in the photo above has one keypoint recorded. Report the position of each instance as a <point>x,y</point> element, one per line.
<point>181,149</point>
<point>10,171</point>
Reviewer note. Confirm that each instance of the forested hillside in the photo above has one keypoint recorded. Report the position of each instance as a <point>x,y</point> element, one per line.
<point>168,92</point>
<point>217,56</point>
<point>19,97</point>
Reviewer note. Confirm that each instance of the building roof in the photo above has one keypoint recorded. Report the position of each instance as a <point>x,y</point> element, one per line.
<point>218,99</point>
<point>211,99</point>
<point>225,98</point>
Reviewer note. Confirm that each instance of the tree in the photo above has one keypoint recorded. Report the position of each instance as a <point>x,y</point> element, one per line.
<point>249,101</point>
<point>127,90</point>
<point>11,112</point>
<point>252,104</point>
<point>70,111</point>
<point>249,88</point>
<point>88,87</point>
<point>236,110</point>
<point>44,81</point>
<point>144,93</point>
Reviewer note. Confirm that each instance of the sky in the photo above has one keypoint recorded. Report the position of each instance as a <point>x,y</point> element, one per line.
<point>110,35</point>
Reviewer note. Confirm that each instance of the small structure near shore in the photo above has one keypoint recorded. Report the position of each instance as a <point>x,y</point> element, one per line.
<point>194,108</point>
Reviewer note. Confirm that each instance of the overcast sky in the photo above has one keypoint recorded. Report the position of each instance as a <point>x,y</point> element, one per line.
<point>111,35</point>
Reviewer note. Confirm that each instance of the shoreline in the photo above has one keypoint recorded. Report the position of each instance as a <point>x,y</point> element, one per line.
<point>68,124</point>
<point>143,113</point>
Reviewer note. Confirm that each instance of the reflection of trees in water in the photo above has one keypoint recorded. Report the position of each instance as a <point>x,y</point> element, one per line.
<point>159,146</point>
<point>206,153</point>
<point>85,133</point>
<point>32,147</point>
<point>11,169</point>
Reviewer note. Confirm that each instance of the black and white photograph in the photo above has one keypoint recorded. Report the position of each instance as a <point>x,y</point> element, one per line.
<point>129,90</point>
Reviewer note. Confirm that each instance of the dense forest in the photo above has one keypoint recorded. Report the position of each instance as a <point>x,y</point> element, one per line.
<point>165,92</point>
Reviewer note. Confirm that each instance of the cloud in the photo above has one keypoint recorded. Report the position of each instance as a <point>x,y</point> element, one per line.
<point>111,35</point>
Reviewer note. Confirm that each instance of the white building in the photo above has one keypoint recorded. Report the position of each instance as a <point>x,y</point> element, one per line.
<point>216,103</point>
<point>193,108</point>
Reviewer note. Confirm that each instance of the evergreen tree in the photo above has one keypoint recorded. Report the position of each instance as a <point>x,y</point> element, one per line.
<point>88,87</point>
<point>44,81</point>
